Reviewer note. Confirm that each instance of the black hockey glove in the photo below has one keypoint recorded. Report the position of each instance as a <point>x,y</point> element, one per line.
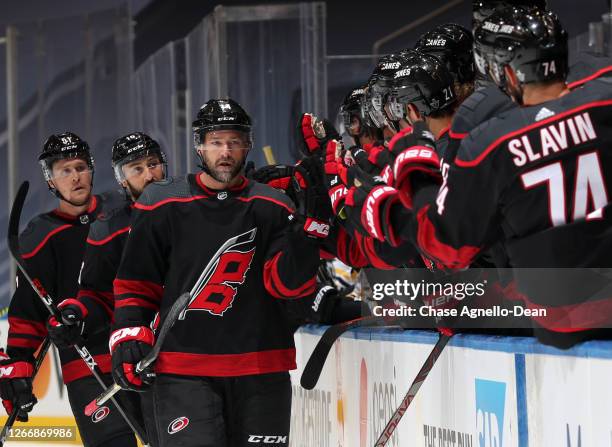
<point>315,134</point>
<point>70,331</point>
<point>372,159</point>
<point>16,386</point>
<point>128,346</point>
<point>312,201</point>
<point>276,176</point>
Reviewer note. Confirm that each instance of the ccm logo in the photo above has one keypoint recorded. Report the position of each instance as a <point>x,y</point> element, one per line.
<point>178,424</point>
<point>257,439</point>
<point>318,228</point>
<point>123,333</point>
<point>6,371</point>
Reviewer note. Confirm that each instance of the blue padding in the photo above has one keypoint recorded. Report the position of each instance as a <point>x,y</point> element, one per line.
<point>516,345</point>
<point>521,400</point>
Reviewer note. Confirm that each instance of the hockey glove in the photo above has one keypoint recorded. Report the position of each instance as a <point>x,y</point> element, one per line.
<point>276,176</point>
<point>16,386</point>
<point>368,205</point>
<point>315,134</point>
<point>371,159</point>
<point>311,197</point>
<point>336,189</point>
<point>70,331</point>
<point>415,163</point>
<point>128,346</point>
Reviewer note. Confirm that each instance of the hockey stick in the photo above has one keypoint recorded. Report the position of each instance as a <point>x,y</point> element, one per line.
<point>177,312</point>
<point>13,246</point>
<point>13,416</point>
<point>316,362</point>
<point>445,336</point>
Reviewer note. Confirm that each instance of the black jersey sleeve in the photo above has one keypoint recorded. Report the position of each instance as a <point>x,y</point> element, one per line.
<point>292,258</point>
<point>27,314</point>
<point>100,263</point>
<point>138,286</point>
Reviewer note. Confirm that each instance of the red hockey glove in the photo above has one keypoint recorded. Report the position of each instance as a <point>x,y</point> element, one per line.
<point>276,176</point>
<point>311,197</point>
<point>315,134</point>
<point>70,331</point>
<point>16,386</point>
<point>336,189</point>
<point>128,346</point>
<point>416,162</point>
<point>368,205</point>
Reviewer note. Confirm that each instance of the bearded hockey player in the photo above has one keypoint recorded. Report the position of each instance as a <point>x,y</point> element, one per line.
<point>535,178</point>
<point>222,373</point>
<point>52,246</point>
<point>138,160</point>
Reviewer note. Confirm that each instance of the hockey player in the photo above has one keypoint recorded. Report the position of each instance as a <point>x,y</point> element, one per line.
<point>138,160</point>
<point>516,164</point>
<point>356,125</point>
<point>452,44</point>
<point>52,246</point>
<point>222,373</point>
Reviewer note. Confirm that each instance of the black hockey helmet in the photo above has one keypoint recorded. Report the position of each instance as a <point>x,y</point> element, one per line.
<point>425,81</point>
<point>529,40</point>
<point>481,9</point>
<point>352,106</point>
<point>379,86</point>
<point>221,114</point>
<point>452,44</point>
<point>132,147</point>
<point>60,146</point>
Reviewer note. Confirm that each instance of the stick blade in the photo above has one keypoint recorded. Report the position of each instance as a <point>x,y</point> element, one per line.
<point>316,362</point>
<point>13,228</point>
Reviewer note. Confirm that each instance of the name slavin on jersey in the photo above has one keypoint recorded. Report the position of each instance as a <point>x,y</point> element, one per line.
<point>553,138</point>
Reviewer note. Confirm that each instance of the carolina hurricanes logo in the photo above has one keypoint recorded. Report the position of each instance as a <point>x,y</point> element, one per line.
<point>217,294</point>
<point>100,414</point>
<point>178,424</point>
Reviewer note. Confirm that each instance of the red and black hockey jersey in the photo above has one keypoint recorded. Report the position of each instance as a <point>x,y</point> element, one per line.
<point>105,244</point>
<point>489,101</point>
<point>235,323</point>
<point>537,178</point>
<point>52,247</point>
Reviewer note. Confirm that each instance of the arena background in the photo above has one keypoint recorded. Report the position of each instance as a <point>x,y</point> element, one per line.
<point>103,68</point>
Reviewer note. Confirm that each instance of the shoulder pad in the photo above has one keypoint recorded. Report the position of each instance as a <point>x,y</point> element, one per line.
<point>480,106</point>
<point>588,66</point>
<point>109,223</point>
<point>169,188</point>
<point>38,231</point>
<point>272,195</point>
<point>112,199</point>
